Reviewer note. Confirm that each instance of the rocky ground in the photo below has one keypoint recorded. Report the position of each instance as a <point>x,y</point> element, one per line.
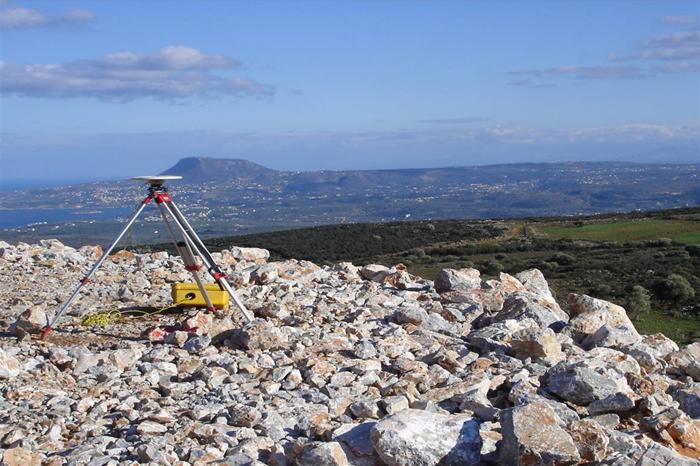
<point>342,366</point>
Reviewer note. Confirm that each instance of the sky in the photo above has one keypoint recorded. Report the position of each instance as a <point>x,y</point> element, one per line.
<point>109,89</point>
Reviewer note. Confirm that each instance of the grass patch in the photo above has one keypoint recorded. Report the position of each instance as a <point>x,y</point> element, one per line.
<point>637,230</point>
<point>682,329</point>
<point>692,237</point>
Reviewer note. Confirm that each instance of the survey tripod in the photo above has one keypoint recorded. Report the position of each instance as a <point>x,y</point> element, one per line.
<point>190,246</point>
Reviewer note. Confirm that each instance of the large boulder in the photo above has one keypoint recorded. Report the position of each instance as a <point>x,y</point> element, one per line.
<point>579,384</point>
<point>688,399</point>
<point>21,457</point>
<point>686,361</point>
<point>356,443</point>
<point>257,255</point>
<point>589,314</point>
<point>674,428</point>
<point>375,272</point>
<point>498,336</point>
<point>658,455</point>
<point>488,298</point>
<point>420,438</point>
<point>590,439</point>
<point>523,305</point>
<point>539,344</point>
<point>532,435</point>
<point>651,351</point>
<point>457,280</point>
<point>612,337</point>
<point>535,283</point>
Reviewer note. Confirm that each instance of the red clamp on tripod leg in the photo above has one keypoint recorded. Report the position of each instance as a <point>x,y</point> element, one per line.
<point>44,332</point>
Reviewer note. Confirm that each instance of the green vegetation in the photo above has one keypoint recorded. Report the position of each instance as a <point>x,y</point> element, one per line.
<point>642,261</point>
<point>357,242</point>
<point>637,230</point>
<point>639,302</point>
<point>692,237</point>
<point>682,329</point>
<point>677,289</point>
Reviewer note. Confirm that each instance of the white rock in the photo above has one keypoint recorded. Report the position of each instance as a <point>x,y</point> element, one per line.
<point>457,280</point>
<point>9,366</point>
<point>250,254</point>
<point>420,438</point>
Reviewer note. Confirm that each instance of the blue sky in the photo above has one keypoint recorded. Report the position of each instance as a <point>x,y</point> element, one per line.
<point>105,89</point>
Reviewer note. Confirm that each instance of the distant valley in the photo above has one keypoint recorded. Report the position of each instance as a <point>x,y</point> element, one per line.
<point>234,196</point>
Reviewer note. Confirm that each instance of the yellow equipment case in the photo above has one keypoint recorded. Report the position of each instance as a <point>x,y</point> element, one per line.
<point>188,295</point>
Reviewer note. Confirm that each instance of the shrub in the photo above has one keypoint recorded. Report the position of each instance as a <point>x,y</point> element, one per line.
<point>676,288</point>
<point>493,267</point>
<point>639,302</point>
<point>563,259</point>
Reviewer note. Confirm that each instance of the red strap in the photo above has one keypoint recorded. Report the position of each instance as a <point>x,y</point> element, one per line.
<point>45,331</point>
<point>85,280</point>
<point>218,275</point>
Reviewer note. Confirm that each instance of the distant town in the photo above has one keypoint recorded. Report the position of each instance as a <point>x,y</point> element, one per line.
<point>228,197</point>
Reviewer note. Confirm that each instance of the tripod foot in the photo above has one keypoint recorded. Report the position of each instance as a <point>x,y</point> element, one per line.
<point>44,332</point>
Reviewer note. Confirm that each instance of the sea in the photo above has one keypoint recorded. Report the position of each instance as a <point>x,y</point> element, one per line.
<point>19,218</point>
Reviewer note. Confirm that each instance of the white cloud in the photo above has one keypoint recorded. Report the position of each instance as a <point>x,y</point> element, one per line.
<point>677,46</point>
<point>172,73</point>
<point>25,18</point>
<point>677,53</point>
<point>16,18</point>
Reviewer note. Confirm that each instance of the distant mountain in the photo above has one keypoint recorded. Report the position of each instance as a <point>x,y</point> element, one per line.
<point>199,169</point>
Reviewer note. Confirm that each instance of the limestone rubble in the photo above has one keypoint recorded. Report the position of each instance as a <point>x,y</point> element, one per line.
<point>343,365</point>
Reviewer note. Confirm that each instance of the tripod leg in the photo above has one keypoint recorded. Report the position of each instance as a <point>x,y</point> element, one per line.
<point>214,269</point>
<point>86,279</point>
<point>188,258</point>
